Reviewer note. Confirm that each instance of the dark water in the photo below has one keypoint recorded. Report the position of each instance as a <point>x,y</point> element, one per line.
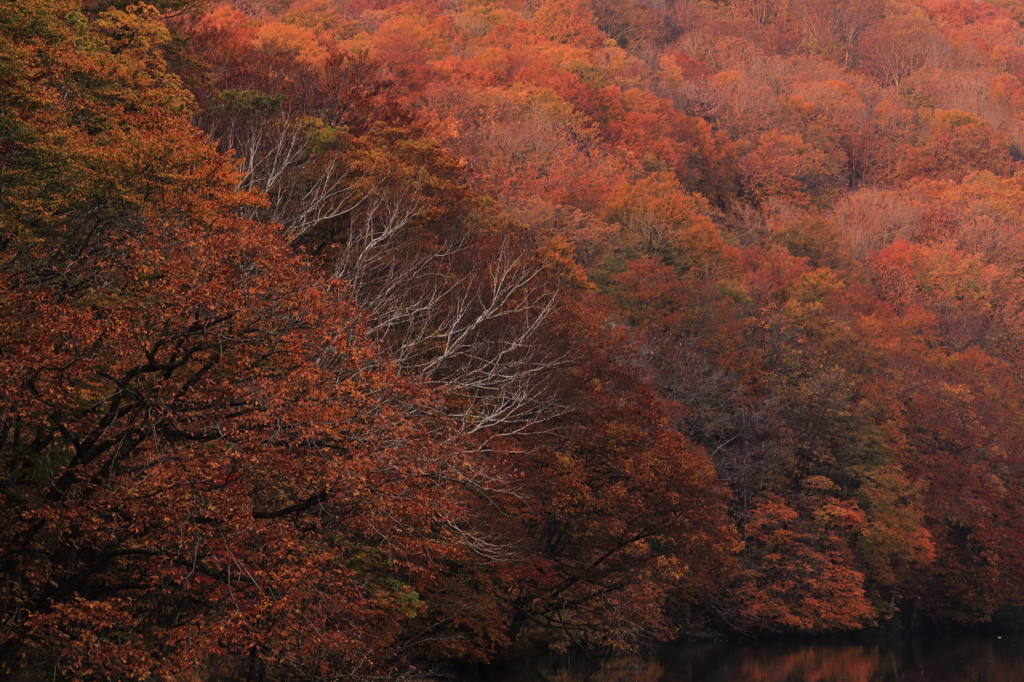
<point>967,659</point>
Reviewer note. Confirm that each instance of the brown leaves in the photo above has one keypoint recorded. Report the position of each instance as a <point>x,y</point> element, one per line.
<point>203,453</point>
<point>800,579</point>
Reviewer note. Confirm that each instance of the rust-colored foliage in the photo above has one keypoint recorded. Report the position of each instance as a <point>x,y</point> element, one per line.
<point>204,453</point>
<point>469,323</point>
<point>800,579</point>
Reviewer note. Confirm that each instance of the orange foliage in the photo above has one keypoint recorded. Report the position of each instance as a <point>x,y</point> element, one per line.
<point>800,580</point>
<point>473,320</point>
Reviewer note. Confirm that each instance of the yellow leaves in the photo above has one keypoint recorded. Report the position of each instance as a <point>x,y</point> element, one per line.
<point>670,72</point>
<point>558,255</point>
<point>816,285</point>
<point>659,219</point>
<point>132,56</point>
<point>819,484</point>
<point>728,77</point>
<point>568,21</point>
<point>830,97</point>
<point>527,98</point>
<point>138,29</point>
<point>303,42</point>
<point>325,18</point>
<point>895,540</point>
<point>810,293</point>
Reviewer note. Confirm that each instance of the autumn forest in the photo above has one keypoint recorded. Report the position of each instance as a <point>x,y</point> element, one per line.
<point>352,339</point>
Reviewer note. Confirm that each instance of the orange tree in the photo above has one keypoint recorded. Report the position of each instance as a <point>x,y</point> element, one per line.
<point>202,455</point>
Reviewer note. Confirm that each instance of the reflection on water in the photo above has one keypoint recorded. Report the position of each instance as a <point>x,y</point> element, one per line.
<point>975,659</point>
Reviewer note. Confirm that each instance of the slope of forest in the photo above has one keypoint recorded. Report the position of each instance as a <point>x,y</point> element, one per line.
<point>351,338</point>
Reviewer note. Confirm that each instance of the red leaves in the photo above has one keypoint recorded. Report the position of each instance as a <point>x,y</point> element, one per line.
<point>630,517</point>
<point>204,455</point>
<point>503,389</point>
<point>799,578</point>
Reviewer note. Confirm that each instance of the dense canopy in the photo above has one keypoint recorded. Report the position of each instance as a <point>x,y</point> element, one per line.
<point>354,338</point>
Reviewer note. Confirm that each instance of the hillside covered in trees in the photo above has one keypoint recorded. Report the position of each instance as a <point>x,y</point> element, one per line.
<point>352,338</point>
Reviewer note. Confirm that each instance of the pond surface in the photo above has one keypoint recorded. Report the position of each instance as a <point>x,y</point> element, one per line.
<point>908,659</point>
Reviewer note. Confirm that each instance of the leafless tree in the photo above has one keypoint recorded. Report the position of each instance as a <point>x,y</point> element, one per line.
<point>463,308</point>
<point>899,45</point>
<point>476,331</point>
<point>305,189</point>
